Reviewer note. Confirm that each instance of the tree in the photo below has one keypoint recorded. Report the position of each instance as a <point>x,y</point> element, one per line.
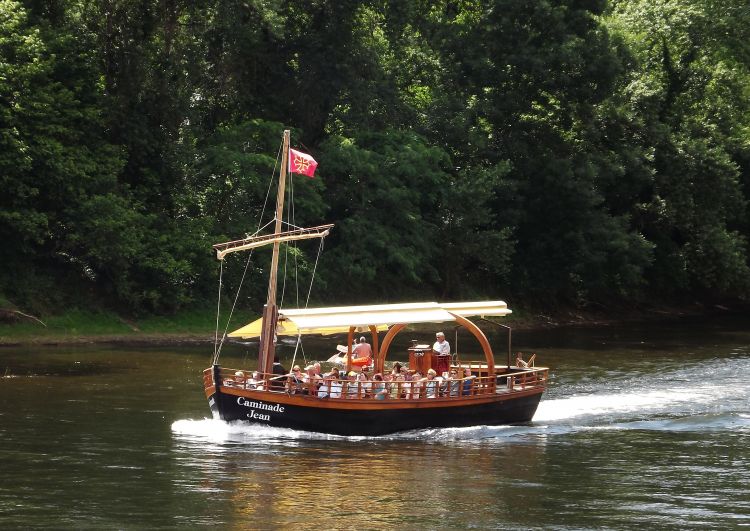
<point>54,155</point>
<point>519,85</point>
<point>386,193</point>
<point>688,89</point>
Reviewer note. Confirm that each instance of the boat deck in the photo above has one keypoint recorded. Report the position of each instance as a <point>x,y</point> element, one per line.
<point>506,381</point>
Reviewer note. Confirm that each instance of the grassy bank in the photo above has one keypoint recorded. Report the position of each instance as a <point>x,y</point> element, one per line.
<point>87,326</point>
<point>198,326</point>
<point>79,326</point>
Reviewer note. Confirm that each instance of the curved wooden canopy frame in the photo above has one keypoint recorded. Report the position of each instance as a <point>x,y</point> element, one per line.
<point>375,346</point>
<point>380,358</point>
<point>483,341</point>
<point>349,342</point>
<point>471,327</point>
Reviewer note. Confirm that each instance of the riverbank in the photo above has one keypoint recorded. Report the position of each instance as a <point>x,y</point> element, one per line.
<point>197,327</point>
<point>84,327</point>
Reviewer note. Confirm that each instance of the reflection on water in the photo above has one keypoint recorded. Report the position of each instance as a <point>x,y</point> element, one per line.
<point>435,476</point>
<point>642,427</point>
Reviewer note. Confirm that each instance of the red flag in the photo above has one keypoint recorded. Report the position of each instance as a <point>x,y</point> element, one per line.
<point>301,163</point>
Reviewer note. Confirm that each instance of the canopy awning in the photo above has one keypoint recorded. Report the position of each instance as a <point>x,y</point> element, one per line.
<point>289,328</point>
<point>479,308</point>
<point>335,320</point>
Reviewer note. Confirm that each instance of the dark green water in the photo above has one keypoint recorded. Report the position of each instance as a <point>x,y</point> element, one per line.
<point>642,426</point>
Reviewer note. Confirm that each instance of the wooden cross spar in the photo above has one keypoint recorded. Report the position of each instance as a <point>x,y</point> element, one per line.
<point>223,249</point>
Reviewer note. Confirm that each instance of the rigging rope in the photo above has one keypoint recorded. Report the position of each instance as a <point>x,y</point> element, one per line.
<point>307,302</point>
<point>292,225</point>
<point>218,311</point>
<point>283,281</point>
<point>234,305</point>
<point>290,208</point>
<point>315,268</point>
<point>293,220</point>
<point>218,346</point>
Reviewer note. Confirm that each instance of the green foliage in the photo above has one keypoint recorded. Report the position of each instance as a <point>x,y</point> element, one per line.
<point>688,92</point>
<point>556,152</point>
<point>22,70</point>
<point>54,157</point>
<point>388,192</point>
<point>476,246</point>
<point>231,187</point>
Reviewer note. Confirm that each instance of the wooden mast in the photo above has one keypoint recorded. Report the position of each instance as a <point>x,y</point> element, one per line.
<point>270,311</point>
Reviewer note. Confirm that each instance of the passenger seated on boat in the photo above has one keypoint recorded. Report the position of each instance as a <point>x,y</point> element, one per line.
<point>364,385</point>
<point>454,383</point>
<point>325,388</point>
<point>253,382</point>
<point>431,385</point>
<point>378,389</point>
<point>525,364</point>
<point>397,386</point>
<point>396,369</point>
<point>442,385</point>
<point>294,380</point>
<point>406,386</point>
<point>335,387</point>
<point>352,390</point>
<point>278,381</point>
<point>310,381</point>
<point>416,385</point>
<point>237,381</point>
<point>468,381</point>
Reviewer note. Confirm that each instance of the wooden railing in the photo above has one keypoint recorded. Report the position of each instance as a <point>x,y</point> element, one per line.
<point>348,389</point>
<point>523,379</point>
<point>208,380</point>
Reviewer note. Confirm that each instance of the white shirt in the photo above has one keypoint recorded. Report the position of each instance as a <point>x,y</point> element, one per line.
<point>335,390</point>
<point>442,348</point>
<point>431,388</point>
<point>352,389</point>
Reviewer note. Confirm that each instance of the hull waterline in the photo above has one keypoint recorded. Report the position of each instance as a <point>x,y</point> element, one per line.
<point>342,417</point>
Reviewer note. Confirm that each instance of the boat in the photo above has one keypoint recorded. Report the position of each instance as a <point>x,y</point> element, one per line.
<point>437,390</point>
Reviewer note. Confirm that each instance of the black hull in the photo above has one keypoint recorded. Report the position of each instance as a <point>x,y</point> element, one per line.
<point>342,418</point>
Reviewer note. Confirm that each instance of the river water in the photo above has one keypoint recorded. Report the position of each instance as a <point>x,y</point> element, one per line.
<point>642,425</point>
